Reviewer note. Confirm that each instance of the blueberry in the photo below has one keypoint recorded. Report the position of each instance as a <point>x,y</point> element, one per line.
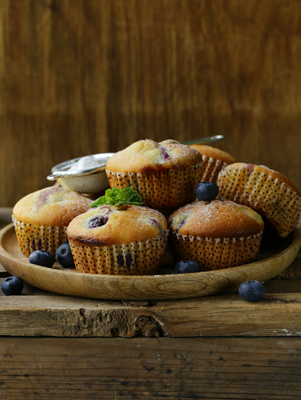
<point>12,286</point>
<point>206,191</point>
<point>98,221</point>
<point>183,222</point>
<point>64,256</point>
<point>186,266</point>
<point>251,291</point>
<point>165,155</point>
<point>42,258</point>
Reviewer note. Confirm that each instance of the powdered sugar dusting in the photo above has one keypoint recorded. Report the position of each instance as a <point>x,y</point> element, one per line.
<point>152,155</point>
<point>52,206</point>
<point>44,194</point>
<point>85,163</point>
<point>216,218</point>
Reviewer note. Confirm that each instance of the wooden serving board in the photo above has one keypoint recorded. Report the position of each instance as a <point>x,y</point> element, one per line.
<point>272,260</point>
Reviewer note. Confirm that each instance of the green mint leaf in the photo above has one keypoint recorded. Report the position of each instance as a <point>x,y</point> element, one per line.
<point>117,197</point>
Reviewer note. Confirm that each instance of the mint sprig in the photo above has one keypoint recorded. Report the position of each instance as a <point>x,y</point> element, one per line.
<point>117,197</point>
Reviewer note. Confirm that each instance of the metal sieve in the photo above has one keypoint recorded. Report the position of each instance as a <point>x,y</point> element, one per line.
<point>88,181</point>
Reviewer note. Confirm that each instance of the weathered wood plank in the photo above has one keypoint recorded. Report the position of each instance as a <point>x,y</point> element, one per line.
<point>222,315</point>
<point>219,368</point>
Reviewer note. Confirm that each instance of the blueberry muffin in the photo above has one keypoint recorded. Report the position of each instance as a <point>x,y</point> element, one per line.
<point>41,218</point>
<point>164,174</point>
<point>122,240</point>
<point>216,234</point>
<point>214,160</point>
<point>266,191</point>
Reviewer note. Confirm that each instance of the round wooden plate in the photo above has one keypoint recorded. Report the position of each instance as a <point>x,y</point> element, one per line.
<point>272,260</point>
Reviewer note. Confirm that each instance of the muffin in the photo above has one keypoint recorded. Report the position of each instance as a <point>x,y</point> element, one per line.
<point>214,160</point>
<point>266,191</point>
<point>164,174</point>
<point>122,240</point>
<point>216,234</point>
<point>41,218</point>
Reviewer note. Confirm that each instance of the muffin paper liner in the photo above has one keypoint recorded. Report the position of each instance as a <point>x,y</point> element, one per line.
<point>37,237</point>
<point>274,200</point>
<point>210,169</point>
<point>213,254</point>
<point>136,258</point>
<point>167,188</point>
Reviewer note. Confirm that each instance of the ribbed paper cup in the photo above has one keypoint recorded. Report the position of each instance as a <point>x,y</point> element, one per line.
<point>137,258</point>
<point>36,237</point>
<point>210,169</point>
<point>213,254</point>
<point>166,188</point>
<point>272,199</point>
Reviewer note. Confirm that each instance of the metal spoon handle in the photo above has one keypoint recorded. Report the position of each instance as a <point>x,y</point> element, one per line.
<point>206,140</point>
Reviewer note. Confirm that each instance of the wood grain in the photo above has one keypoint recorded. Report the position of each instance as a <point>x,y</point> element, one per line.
<point>200,368</point>
<point>226,315</point>
<point>91,76</point>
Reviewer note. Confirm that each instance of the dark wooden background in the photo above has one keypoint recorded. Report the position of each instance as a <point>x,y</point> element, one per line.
<point>80,77</point>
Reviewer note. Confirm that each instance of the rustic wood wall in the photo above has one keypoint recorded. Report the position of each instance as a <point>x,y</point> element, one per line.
<point>80,77</point>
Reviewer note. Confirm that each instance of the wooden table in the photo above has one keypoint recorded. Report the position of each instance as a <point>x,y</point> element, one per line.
<point>218,347</point>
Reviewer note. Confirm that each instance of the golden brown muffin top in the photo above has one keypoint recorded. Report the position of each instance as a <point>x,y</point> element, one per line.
<point>253,168</point>
<point>52,206</point>
<point>148,156</point>
<point>216,219</point>
<point>109,225</point>
<point>214,153</point>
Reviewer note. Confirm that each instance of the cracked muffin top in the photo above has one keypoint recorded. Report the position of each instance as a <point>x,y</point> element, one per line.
<point>216,219</point>
<point>52,206</point>
<point>110,225</point>
<point>149,156</point>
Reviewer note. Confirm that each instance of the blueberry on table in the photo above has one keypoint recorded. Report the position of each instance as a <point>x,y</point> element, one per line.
<point>186,267</point>
<point>42,258</point>
<point>12,286</point>
<point>251,291</point>
<point>64,256</point>
<point>206,191</point>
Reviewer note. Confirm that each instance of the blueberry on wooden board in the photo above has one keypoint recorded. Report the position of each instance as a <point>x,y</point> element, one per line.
<point>206,191</point>
<point>186,266</point>
<point>64,256</point>
<point>42,258</point>
<point>251,291</point>
<point>12,286</point>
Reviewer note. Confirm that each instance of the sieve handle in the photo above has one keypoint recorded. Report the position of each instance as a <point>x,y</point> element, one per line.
<point>206,139</point>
